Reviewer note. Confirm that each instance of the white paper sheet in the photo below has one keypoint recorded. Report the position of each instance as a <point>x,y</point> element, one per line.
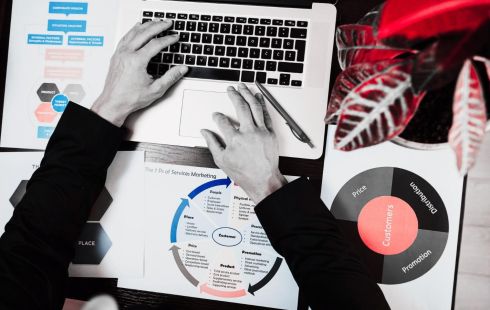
<point>427,281</point>
<point>204,240</point>
<point>118,251</point>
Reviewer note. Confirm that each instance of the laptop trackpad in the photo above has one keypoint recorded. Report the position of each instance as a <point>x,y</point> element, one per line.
<point>198,108</point>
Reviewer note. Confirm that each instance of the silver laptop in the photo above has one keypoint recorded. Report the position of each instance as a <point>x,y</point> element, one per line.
<point>287,47</point>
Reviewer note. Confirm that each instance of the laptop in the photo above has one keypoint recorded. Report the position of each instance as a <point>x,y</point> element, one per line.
<point>285,45</point>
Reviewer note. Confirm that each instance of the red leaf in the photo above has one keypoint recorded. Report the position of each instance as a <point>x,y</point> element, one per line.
<point>418,20</point>
<point>379,107</point>
<point>469,118</point>
<point>357,44</point>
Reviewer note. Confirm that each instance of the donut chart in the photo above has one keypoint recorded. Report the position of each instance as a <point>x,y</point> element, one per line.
<point>396,221</point>
<point>218,243</point>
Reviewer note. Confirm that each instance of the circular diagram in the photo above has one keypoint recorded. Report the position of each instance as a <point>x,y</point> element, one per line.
<point>395,220</point>
<point>218,243</point>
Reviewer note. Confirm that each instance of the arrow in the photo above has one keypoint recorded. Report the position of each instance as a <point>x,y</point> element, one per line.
<point>253,288</point>
<point>175,251</point>
<point>209,184</point>
<point>225,294</point>
<point>175,222</point>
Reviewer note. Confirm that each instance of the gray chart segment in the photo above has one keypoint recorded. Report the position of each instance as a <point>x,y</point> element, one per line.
<point>348,204</point>
<point>427,240</point>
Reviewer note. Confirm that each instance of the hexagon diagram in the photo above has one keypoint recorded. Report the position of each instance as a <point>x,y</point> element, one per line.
<point>75,92</point>
<point>45,113</point>
<point>47,91</point>
<point>100,206</point>
<point>19,192</point>
<point>92,246</point>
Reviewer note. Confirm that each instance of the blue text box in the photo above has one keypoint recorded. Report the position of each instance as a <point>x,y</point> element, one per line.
<point>85,41</point>
<point>67,25</point>
<point>68,8</point>
<point>44,132</point>
<point>44,39</point>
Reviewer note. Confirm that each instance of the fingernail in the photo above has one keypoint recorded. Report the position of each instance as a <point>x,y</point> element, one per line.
<point>183,69</point>
<point>242,86</point>
<point>167,21</point>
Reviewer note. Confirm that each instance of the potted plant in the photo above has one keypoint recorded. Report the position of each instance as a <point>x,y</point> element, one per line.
<point>412,67</point>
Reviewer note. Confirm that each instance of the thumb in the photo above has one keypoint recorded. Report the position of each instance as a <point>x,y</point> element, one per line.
<point>172,76</point>
<point>213,143</point>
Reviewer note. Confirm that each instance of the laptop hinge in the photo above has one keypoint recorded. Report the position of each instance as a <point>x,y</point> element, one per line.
<point>302,4</point>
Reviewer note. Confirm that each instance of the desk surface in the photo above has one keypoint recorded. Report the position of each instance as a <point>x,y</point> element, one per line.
<point>83,288</point>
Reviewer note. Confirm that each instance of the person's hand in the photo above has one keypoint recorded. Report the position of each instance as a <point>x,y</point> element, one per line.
<point>249,155</point>
<point>128,86</point>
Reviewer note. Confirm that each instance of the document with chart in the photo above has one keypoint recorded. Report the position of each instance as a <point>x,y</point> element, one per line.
<point>58,52</point>
<point>204,240</point>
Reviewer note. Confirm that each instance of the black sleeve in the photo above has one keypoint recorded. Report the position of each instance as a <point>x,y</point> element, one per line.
<point>305,233</point>
<point>38,243</point>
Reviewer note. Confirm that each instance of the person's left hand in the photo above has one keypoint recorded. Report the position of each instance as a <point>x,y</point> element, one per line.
<point>128,86</point>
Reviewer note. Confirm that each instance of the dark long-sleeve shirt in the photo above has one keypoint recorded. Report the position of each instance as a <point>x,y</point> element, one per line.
<point>39,240</point>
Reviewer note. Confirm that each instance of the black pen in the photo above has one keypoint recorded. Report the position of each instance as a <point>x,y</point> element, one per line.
<point>297,131</point>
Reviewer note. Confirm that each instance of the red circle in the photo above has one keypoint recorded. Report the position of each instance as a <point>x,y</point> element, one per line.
<point>387,225</point>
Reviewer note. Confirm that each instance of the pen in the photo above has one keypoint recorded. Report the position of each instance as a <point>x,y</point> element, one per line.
<point>297,131</point>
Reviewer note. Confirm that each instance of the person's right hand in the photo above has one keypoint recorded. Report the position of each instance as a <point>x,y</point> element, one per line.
<point>128,86</point>
<point>249,155</point>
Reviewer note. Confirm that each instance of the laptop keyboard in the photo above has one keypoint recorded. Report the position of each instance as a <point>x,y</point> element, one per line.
<point>234,48</point>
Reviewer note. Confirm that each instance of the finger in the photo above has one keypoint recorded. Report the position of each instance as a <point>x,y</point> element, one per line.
<point>156,45</point>
<point>242,109</point>
<point>255,106</point>
<point>225,126</point>
<point>267,116</point>
<point>172,76</point>
<point>147,31</point>
<point>213,143</point>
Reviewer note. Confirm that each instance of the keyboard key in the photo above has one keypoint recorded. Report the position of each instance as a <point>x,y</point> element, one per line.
<point>225,28</point>
<point>147,14</point>
<point>159,15</point>
<point>298,33</point>
<point>266,54</point>
<point>191,26</point>
<point>259,30</point>
<point>241,20</point>
<point>272,81</point>
<point>197,49</point>
<point>236,63</point>
<point>152,68</point>
<point>145,20</point>
<point>243,52</point>
<point>178,59</point>
<point>253,20</point>
<point>190,60</point>
<point>224,62</point>
<point>213,27</point>
<point>271,66</point>
<point>194,16</point>
<point>167,58</point>
<point>253,41</point>
<point>271,31</point>
<point>184,37</point>
<point>288,44</point>
<point>290,67</point>
<point>217,18</point>
<point>231,51</point>
<point>248,30</point>
<point>241,41</point>
<point>201,60</point>
<point>265,21</point>
<point>236,29</point>
<point>208,49</point>
<point>290,55</point>
<point>207,38</point>
<point>214,74</point>
<point>206,17</point>
<point>283,32</point>
<point>284,79</point>
<point>175,48</point>
<point>248,64</point>
<point>218,39</point>
<point>265,42</point>
<point>230,40</point>
<point>202,27</point>
<point>277,22</point>
<point>185,48</point>
<point>213,61</point>
<point>219,50</point>
<point>296,83</point>
<point>259,65</point>
<point>290,23</point>
<point>248,76</point>
<point>162,69</point>
<point>170,15</point>
<point>195,37</point>
<point>182,16</point>
<point>229,19</point>
<point>300,46</point>
<point>276,43</point>
<point>157,58</point>
<point>278,55</point>
<point>261,77</point>
<point>179,25</point>
<point>254,53</point>
<point>302,24</point>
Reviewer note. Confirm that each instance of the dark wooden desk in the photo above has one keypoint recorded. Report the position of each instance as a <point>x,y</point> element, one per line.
<point>83,288</point>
